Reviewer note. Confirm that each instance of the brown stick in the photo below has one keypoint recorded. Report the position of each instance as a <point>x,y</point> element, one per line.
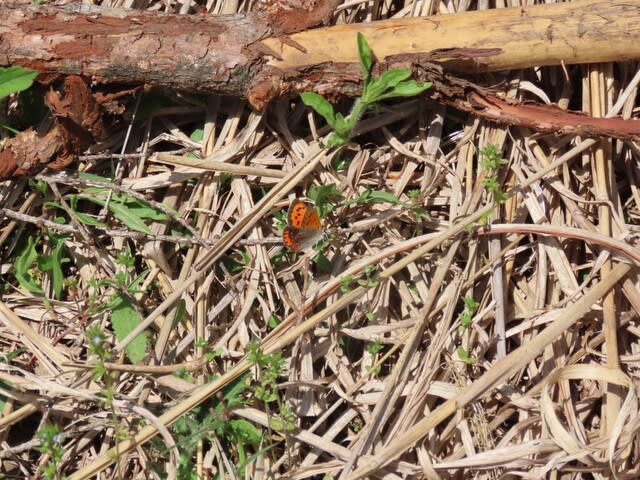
<point>189,52</point>
<point>229,54</point>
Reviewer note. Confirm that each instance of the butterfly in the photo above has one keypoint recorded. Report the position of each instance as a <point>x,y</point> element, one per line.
<point>304,228</point>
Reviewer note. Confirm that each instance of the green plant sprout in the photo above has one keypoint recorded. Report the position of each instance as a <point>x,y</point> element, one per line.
<point>373,349</point>
<point>32,261</point>
<point>470,308</point>
<point>269,367</point>
<point>369,280</point>
<point>51,444</point>
<point>214,420</point>
<point>391,84</point>
<point>464,356</point>
<point>491,161</point>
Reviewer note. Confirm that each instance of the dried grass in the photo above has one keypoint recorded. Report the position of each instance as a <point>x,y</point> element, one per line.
<point>549,390</point>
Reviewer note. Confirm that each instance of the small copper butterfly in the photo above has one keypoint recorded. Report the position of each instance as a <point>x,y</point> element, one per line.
<point>304,228</point>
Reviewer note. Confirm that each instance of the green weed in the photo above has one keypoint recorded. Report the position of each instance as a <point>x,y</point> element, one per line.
<point>393,83</point>
<point>51,444</point>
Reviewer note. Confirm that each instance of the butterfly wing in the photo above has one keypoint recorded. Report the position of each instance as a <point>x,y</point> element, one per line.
<point>290,238</point>
<point>297,212</point>
<point>311,218</point>
<point>311,229</point>
<point>304,227</point>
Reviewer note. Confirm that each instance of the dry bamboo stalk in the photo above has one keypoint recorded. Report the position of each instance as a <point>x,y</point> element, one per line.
<point>599,102</point>
<point>563,319</point>
<point>280,337</point>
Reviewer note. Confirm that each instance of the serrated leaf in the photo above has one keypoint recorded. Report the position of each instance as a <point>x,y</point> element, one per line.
<point>15,79</point>
<point>365,55</point>
<point>320,105</point>
<point>124,319</point>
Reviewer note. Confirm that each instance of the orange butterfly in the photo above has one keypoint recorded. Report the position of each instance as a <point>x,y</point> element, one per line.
<point>304,228</point>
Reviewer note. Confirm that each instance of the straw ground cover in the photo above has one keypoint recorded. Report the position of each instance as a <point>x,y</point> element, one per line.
<point>471,312</point>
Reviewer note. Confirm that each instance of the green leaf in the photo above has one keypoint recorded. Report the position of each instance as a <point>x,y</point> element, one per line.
<point>124,320</point>
<point>345,283</point>
<point>385,85</point>
<point>52,263</point>
<point>83,217</point>
<point>128,217</point>
<point>322,263</point>
<point>324,196</point>
<point>373,92</point>
<point>378,196</point>
<point>245,432</point>
<point>406,89</point>
<point>336,140</point>
<point>3,400</point>
<point>94,177</point>
<point>320,105</point>
<point>15,79</point>
<point>373,196</point>
<point>393,77</point>
<point>197,135</point>
<point>465,357</point>
<point>233,393</point>
<point>366,57</point>
<point>143,210</point>
<point>273,321</point>
<point>122,213</point>
<point>342,127</point>
<point>24,261</point>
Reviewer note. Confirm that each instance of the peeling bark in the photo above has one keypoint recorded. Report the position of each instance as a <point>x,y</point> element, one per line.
<point>78,123</point>
<point>219,54</point>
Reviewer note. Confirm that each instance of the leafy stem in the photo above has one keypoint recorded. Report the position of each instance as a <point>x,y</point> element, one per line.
<point>391,84</point>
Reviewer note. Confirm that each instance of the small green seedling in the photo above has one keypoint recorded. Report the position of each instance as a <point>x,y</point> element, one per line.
<point>492,161</point>
<point>51,440</point>
<point>391,84</point>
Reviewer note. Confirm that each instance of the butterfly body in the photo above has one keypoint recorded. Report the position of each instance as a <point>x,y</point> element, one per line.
<point>304,227</point>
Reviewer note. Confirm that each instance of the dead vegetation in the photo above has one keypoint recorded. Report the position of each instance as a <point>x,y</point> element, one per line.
<point>472,312</point>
